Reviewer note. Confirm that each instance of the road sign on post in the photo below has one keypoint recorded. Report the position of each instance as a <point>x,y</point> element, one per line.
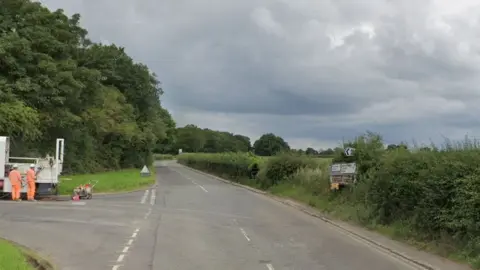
<point>342,174</point>
<point>145,171</point>
<point>349,151</point>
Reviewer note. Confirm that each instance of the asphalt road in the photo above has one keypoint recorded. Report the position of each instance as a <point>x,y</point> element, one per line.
<point>188,221</point>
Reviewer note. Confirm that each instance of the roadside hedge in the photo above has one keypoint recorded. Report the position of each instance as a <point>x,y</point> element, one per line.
<point>231,165</point>
<point>429,195</point>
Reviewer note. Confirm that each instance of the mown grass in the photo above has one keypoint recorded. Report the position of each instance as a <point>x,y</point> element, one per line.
<point>108,182</point>
<point>13,257</point>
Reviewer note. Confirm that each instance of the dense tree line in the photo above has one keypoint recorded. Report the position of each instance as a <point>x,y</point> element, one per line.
<point>55,82</point>
<point>193,139</point>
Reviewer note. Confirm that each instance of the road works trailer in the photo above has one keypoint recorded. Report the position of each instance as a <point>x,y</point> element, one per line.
<point>48,169</point>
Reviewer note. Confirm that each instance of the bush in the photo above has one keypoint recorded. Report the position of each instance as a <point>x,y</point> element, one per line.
<point>316,180</point>
<point>279,168</point>
<point>231,165</point>
<point>436,193</point>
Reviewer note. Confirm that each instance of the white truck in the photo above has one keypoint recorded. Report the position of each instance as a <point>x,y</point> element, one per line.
<point>48,169</point>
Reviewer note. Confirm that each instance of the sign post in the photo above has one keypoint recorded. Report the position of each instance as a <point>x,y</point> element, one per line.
<point>342,174</point>
<point>145,171</point>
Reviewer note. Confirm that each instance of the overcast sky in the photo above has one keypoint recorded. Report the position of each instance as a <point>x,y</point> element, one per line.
<point>313,72</point>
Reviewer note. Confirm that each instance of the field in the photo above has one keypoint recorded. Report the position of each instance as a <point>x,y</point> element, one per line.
<point>116,181</point>
<point>427,197</point>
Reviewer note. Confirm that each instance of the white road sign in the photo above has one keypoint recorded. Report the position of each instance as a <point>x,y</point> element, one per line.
<point>349,151</point>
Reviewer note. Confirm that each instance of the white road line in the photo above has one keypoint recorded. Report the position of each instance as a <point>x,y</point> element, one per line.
<point>134,235</point>
<point>148,213</point>
<point>115,267</point>
<point>145,196</point>
<point>193,181</point>
<point>125,249</point>
<point>137,229</point>
<point>130,242</point>
<point>245,234</point>
<point>79,203</point>
<point>270,267</point>
<point>204,189</point>
<point>120,257</point>
<point>153,196</point>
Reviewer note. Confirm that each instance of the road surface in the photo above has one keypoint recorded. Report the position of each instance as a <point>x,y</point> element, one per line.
<point>188,221</point>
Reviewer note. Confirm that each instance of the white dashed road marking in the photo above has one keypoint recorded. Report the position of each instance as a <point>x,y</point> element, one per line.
<point>245,234</point>
<point>193,181</point>
<point>126,248</point>
<point>153,196</point>
<point>79,203</point>
<point>144,197</point>
<point>270,267</point>
<point>148,213</point>
<point>200,186</point>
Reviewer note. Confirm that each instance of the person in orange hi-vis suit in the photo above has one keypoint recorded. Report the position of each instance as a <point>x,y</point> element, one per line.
<point>31,183</point>
<point>16,182</point>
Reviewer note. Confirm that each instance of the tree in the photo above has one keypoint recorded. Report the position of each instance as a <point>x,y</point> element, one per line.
<point>167,144</point>
<point>311,152</point>
<point>397,146</point>
<point>55,82</point>
<point>326,153</point>
<point>269,144</point>
<point>194,139</point>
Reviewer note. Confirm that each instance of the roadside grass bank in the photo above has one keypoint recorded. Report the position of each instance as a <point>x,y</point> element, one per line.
<point>14,257</point>
<point>427,197</point>
<point>108,182</point>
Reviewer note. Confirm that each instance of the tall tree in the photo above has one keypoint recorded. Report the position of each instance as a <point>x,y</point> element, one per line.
<point>55,82</point>
<point>269,144</point>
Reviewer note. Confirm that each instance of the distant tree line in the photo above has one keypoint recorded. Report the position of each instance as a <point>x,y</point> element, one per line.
<point>193,139</point>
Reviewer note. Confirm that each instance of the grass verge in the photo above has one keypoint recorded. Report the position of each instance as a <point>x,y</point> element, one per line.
<point>13,257</point>
<point>108,182</point>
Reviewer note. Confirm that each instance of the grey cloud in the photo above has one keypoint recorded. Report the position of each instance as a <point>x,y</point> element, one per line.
<point>212,57</point>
